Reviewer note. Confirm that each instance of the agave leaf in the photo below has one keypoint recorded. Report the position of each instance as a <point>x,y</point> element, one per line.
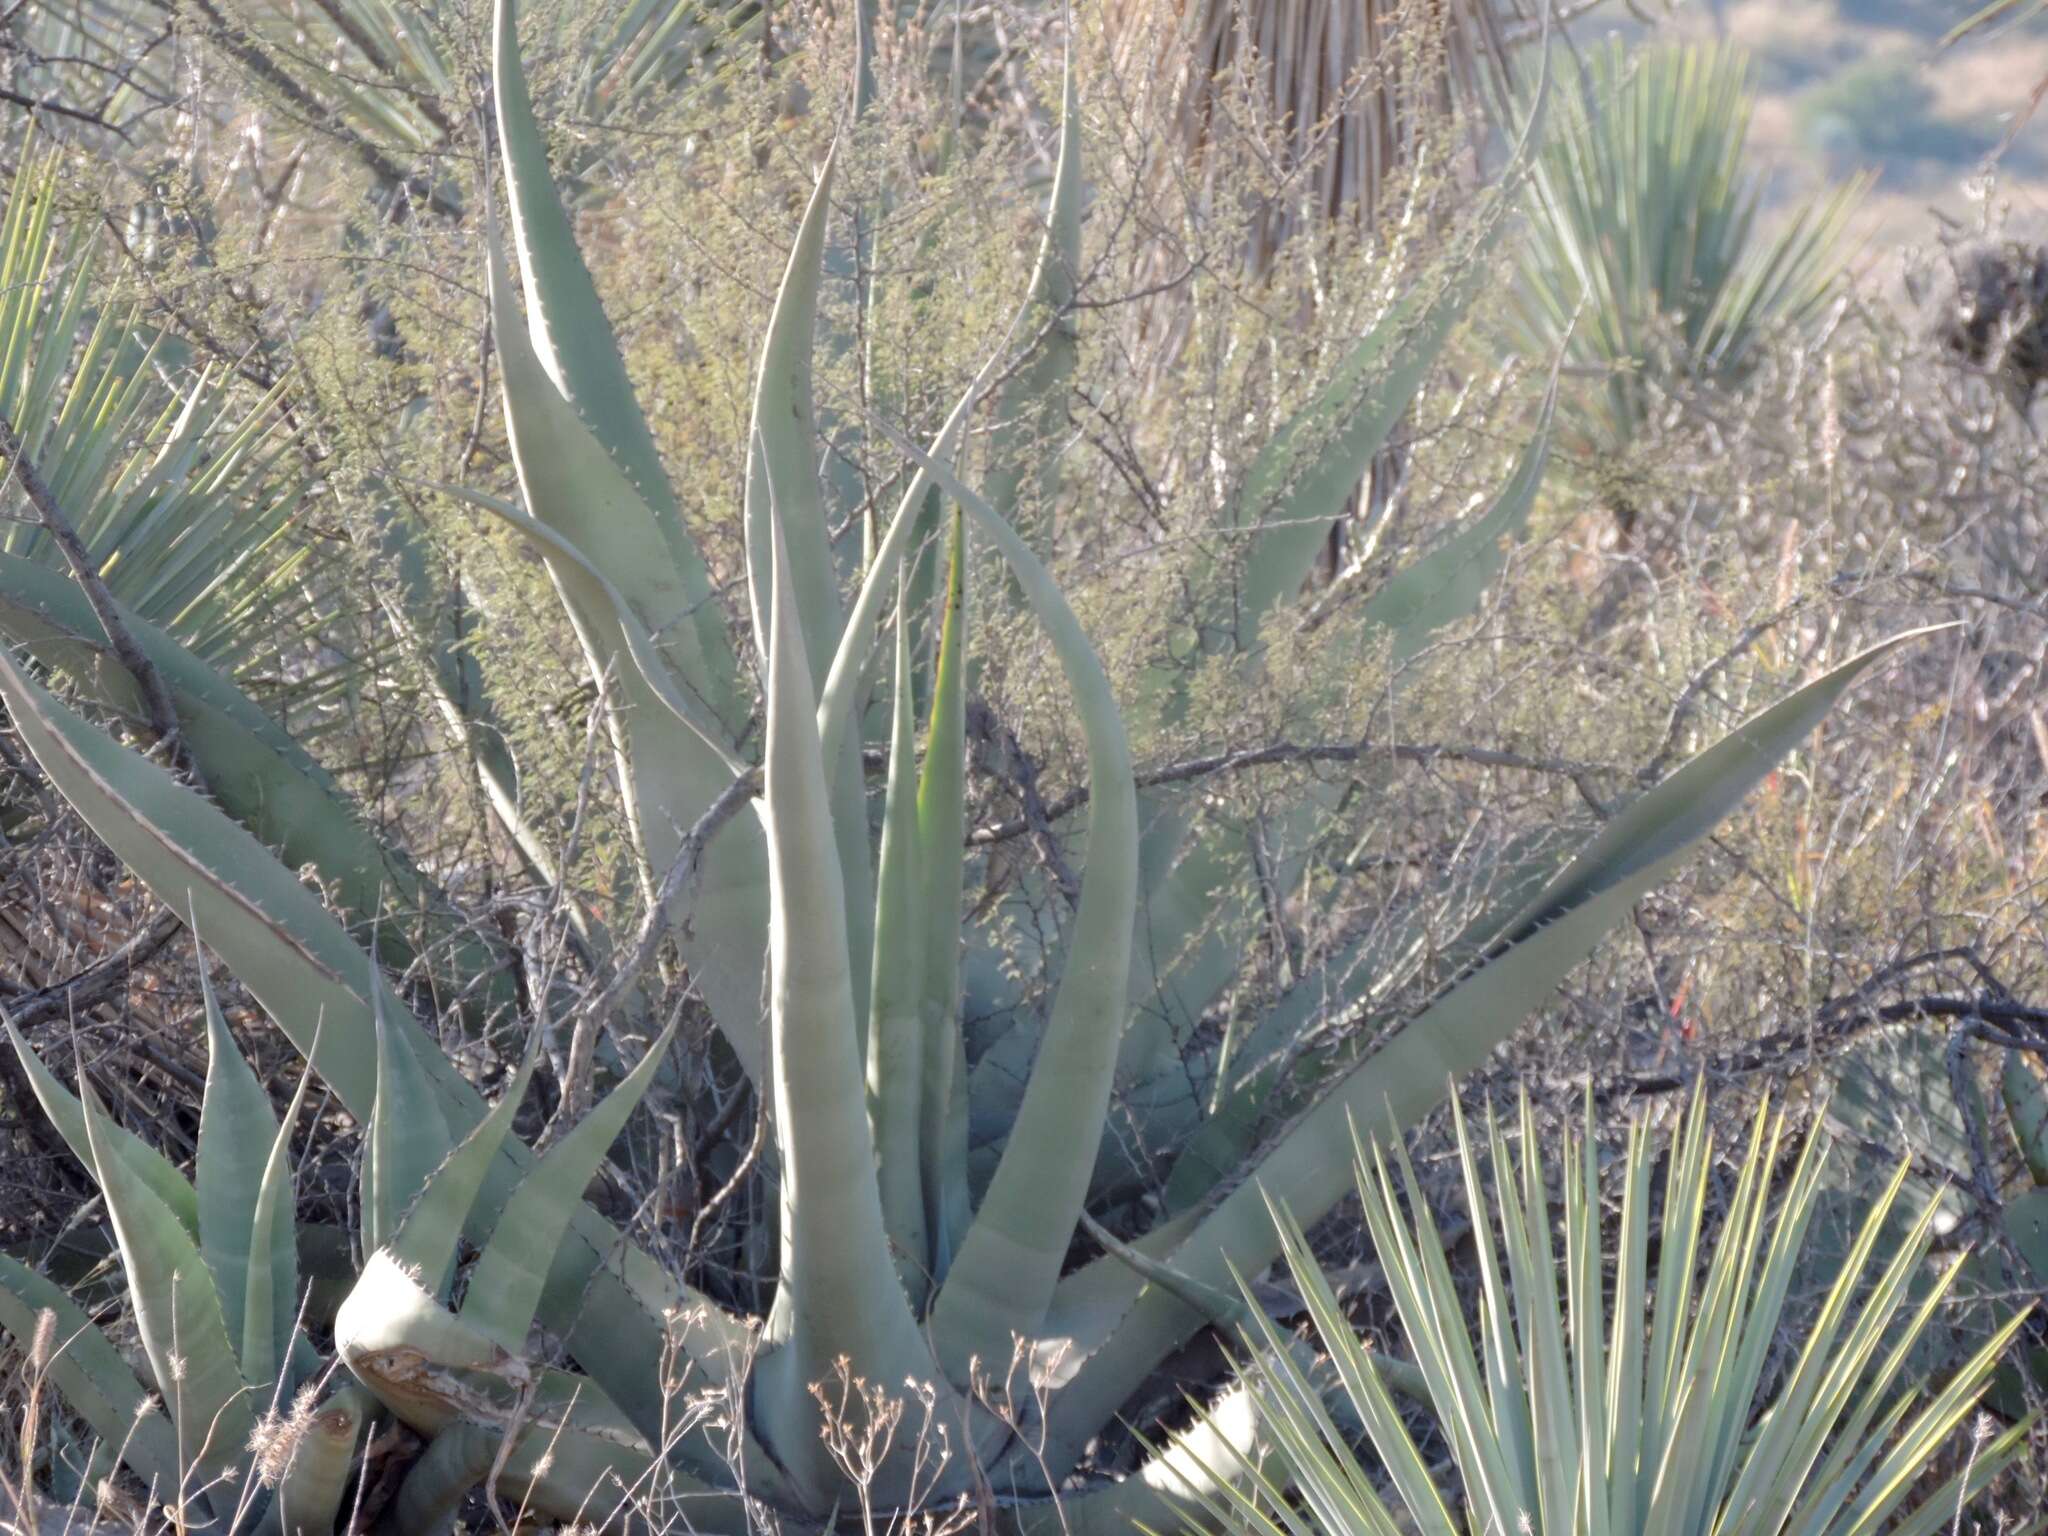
<point>1447,583</point>
<point>95,1381</point>
<point>782,475</point>
<point>1188,881</point>
<point>1404,1073</point>
<point>838,1297</point>
<point>506,1285</point>
<point>606,610</point>
<point>437,628</point>
<point>942,865</point>
<point>1003,1278</point>
<point>68,1116</point>
<point>236,1129</point>
<point>437,1485</point>
<point>271,1291</point>
<point>783,488</point>
<point>250,764</point>
<point>1300,479</point>
<point>275,936</point>
<point>1032,409</point>
<point>407,1137</point>
<point>844,683</point>
<point>569,329</point>
<point>574,487</point>
<point>308,1496</point>
<point>895,1028</point>
<point>425,1239</point>
<point>273,932</point>
<point>672,774</point>
<point>177,1312</point>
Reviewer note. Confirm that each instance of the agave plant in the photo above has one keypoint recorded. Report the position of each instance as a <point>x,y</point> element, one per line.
<point>1647,260</point>
<point>910,1246</point>
<point>249,1427</point>
<point>1655,1394</point>
<point>213,1287</point>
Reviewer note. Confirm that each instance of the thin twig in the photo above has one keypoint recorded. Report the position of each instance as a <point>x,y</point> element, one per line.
<point>1290,752</point>
<point>92,985</point>
<point>156,698</point>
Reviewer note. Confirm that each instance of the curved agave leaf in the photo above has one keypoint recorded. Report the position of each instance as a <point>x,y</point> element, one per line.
<point>1301,478</point>
<point>1032,410</point>
<point>671,772</point>
<point>1446,584</point>
<point>895,1025</point>
<point>260,775</point>
<point>1190,883</point>
<point>236,1132</point>
<point>505,1287</point>
<point>845,682</point>
<point>783,489</point>
<point>942,871</point>
<point>1003,1279</point>
<point>838,1299</point>
<point>437,1485</point>
<point>436,627</point>
<point>1403,1075</point>
<point>425,1240</point>
<point>270,1292</point>
<point>308,1496</point>
<point>90,1373</point>
<point>177,1312</point>
<point>407,1137</point>
<point>782,474</point>
<point>570,483</point>
<point>68,1116</point>
<point>570,330</point>
<point>592,595</point>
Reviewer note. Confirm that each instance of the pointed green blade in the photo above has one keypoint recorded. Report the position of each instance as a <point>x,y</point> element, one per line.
<point>569,329</point>
<point>895,1030</point>
<point>407,1136</point>
<point>177,1312</point>
<point>68,1116</point>
<point>505,1287</point>
<point>90,1373</point>
<point>271,1291</point>
<point>236,1129</point>
<point>838,1299</point>
<point>425,1240</point>
<point>942,867</point>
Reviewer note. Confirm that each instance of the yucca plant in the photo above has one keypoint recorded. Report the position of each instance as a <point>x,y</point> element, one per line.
<point>189,503</point>
<point>1674,1386</point>
<point>382,80</point>
<point>1650,259</point>
<point>897,1261</point>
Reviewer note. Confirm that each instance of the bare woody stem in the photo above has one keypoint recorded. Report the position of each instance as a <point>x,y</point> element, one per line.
<point>156,698</point>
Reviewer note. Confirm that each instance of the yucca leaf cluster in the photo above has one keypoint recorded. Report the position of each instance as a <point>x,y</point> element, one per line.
<point>1676,1383</point>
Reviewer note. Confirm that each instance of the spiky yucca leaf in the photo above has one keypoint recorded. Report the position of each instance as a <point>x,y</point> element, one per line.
<point>1636,1401</point>
<point>1646,252</point>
